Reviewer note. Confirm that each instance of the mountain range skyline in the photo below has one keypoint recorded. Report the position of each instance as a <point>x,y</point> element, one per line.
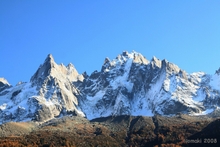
<point>130,84</point>
<point>88,72</point>
<point>84,33</point>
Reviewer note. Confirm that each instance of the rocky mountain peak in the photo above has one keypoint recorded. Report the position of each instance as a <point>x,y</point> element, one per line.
<point>125,53</point>
<point>139,58</point>
<point>3,81</point>
<point>45,69</point>
<point>3,84</point>
<point>122,58</point>
<point>155,62</point>
<point>70,66</point>
<point>107,60</point>
<point>132,55</point>
<point>50,93</point>
<point>49,60</point>
<point>170,67</point>
<point>217,71</point>
<point>106,65</point>
<point>50,56</point>
<point>72,73</point>
<point>51,69</point>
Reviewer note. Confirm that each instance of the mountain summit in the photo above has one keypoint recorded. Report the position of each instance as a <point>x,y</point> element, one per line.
<point>132,85</point>
<point>50,93</point>
<point>4,84</point>
<point>127,85</point>
<point>45,69</point>
<point>51,69</point>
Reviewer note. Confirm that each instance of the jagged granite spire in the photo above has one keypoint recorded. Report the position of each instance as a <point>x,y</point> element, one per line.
<point>50,68</point>
<point>44,70</point>
<point>124,57</point>
<point>135,56</point>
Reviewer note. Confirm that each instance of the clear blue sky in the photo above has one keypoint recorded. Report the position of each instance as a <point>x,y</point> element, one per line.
<point>84,32</point>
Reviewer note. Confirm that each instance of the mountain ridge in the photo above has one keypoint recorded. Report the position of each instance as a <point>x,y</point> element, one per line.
<point>127,85</point>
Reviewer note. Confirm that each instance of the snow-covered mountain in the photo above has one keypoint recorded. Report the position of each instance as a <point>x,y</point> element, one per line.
<point>130,84</point>
<point>127,85</point>
<point>50,93</point>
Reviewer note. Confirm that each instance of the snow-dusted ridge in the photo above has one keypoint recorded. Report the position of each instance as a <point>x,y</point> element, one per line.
<point>127,85</point>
